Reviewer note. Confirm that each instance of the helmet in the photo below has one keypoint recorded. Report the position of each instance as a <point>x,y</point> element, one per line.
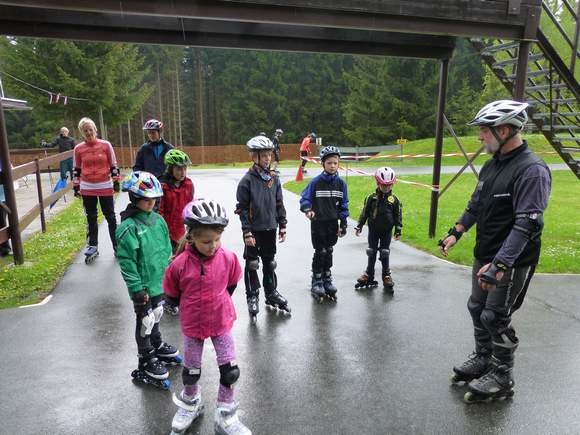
<point>502,112</point>
<point>385,176</point>
<point>204,212</point>
<point>259,143</point>
<point>143,185</point>
<point>176,158</point>
<point>329,150</point>
<point>312,135</point>
<point>279,132</point>
<point>153,124</point>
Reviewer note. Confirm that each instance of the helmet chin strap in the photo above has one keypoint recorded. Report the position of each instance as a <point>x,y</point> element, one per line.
<point>501,142</point>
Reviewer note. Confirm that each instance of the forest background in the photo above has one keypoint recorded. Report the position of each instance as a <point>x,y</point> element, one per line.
<point>218,96</point>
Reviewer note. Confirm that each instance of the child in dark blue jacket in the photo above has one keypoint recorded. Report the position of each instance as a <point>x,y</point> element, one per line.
<point>325,203</point>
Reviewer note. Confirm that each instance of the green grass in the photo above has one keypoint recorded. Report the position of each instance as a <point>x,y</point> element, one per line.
<point>47,256</point>
<point>537,142</point>
<point>561,236</point>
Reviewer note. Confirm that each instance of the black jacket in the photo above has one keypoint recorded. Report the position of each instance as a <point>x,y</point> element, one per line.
<point>260,203</point>
<point>493,204</point>
<point>149,160</point>
<point>64,143</point>
<point>382,211</point>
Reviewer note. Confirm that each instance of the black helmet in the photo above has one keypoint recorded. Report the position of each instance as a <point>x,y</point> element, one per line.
<point>329,150</point>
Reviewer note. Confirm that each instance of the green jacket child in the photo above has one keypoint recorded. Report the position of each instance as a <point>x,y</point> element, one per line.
<point>143,251</point>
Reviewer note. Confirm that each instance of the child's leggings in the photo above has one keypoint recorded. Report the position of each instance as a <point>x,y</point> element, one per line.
<point>226,359</point>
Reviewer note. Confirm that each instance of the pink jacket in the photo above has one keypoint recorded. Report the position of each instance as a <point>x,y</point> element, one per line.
<point>205,306</point>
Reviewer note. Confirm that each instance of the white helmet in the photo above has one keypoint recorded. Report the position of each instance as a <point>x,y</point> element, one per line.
<point>204,212</point>
<point>259,143</point>
<point>385,176</point>
<point>153,124</point>
<point>502,112</point>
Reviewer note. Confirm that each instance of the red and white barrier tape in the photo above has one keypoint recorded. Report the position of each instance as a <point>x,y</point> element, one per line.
<point>361,172</point>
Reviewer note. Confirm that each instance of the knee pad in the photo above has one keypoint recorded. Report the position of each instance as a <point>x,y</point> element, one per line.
<point>147,323</point>
<point>329,250</point>
<point>490,319</point>
<point>253,264</point>
<point>475,308</point>
<point>229,374</point>
<point>158,313</point>
<point>371,252</point>
<point>384,254</point>
<point>272,264</point>
<point>190,376</point>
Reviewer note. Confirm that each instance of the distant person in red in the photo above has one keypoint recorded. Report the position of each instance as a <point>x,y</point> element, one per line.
<point>305,148</point>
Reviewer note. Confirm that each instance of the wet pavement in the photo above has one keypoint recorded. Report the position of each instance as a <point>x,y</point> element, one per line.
<point>373,363</point>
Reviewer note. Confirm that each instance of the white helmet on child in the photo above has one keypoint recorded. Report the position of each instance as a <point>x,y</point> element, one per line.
<point>385,176</point>
<point>204,212</point>
<point>259,143</point>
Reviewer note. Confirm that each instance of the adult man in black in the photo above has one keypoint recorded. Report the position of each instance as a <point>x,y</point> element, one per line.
<point>64,143</point>
<point>507,206</point>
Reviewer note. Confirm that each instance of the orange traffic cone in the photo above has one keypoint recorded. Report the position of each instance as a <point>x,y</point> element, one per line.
<point>300,174</point>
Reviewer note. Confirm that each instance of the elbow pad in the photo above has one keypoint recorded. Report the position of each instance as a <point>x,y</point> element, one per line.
<point>530,224</point>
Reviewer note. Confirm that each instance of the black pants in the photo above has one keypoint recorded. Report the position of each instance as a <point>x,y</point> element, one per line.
<point>108,209</point>
<point>303,154</point>
<point>491,312</point>
<point>4,247</point>
<point>266,250</point>
<point>324,236</point>
<point>379,240</point>
<point>146,343</point>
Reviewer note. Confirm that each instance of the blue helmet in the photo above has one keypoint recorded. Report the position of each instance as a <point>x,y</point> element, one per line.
<point>143,185</point>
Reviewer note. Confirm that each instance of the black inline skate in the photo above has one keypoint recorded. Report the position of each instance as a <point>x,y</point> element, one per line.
<point>329,287</point>
<point>253,306</point>
<point>365,281</point>
<point>274,300</point>
<point>473,368</point>
<point>496,384</point>
<point>91,252</point>
<point>151,372</point>
<point>317,289</point>
<point>168,355</point>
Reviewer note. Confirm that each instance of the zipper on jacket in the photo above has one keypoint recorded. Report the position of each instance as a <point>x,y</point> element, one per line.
<point>202,272</point>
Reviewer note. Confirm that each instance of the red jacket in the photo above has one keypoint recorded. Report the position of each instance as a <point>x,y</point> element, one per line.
<point>305,145</point>
<point>200,283</point>
<point>172,202</point>
<point>95,160</point>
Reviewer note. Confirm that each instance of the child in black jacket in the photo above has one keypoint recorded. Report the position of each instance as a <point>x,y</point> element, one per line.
<point>383,211</point>
<point>261,209</point>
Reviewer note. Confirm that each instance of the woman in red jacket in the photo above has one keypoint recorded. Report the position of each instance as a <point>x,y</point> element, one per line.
<point>177,193</point>
<point>95,177</point>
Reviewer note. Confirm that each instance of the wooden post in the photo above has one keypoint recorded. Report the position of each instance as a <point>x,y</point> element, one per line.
<point>522,71</point>
<point>438,145</point>
<point>8,183</point>
<point>40,199</point>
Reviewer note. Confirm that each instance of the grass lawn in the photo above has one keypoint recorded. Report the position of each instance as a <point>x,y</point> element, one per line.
<point>46,255</point>
<point>560,239</point>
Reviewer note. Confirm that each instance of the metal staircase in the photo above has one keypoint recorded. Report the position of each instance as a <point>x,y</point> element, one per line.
<point>552,89</point>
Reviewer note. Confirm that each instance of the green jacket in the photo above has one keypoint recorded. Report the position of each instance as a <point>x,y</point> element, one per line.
<point>143,250</point>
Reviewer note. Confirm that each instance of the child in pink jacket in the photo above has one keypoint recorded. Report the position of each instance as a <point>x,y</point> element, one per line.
<point>201,279</point>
